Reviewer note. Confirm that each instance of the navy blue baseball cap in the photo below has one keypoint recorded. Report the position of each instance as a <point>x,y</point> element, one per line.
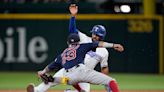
<point>73,38</point>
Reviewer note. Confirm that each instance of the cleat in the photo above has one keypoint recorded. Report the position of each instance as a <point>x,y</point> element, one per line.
<point>67,90</point>
<point>30,88</point>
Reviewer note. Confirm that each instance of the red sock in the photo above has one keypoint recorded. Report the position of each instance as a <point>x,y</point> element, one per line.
<point>76,86</point>
<point>113,86</point>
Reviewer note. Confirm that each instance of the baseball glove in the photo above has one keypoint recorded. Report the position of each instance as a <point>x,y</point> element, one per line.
<point>46,78</point>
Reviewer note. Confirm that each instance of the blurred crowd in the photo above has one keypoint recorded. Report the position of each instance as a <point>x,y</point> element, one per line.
<point>87,6</point>
<point>36,1</point>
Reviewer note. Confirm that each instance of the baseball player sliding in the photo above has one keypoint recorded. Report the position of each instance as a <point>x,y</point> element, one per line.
<point>72,60</point>
<point>91,58</point>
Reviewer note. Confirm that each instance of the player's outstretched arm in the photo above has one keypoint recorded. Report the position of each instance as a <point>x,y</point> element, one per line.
<point>44,71</point>
<point>72,24</point>
<point>117,47</point>
<point>73,8</point>
<point>56,63</point>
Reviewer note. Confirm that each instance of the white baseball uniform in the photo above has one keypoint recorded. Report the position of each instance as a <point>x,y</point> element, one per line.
<point>91,60</point>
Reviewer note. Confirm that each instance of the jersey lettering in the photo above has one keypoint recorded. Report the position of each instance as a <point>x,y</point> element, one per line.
<point>69,54</point>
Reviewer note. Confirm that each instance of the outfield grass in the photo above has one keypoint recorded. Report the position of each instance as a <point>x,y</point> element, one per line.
<point>19,80</point>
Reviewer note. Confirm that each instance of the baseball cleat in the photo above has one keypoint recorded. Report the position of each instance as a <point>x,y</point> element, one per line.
<point>30,88</point>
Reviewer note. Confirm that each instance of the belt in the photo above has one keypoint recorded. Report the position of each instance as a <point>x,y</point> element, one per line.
<point>74,67</point>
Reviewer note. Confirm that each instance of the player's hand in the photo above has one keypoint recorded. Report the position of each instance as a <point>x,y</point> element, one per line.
<point>73,9</point>
<point>118,47</point>
<point>40,73</point>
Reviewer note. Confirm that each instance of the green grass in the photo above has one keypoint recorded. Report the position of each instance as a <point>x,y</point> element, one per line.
<point>19,80</point>
<point>140,81</point>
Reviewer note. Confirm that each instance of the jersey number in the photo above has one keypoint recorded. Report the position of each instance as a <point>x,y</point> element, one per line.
<point>69,55</point>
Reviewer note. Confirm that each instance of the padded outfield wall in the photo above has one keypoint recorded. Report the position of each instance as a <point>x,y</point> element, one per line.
<point>31,41</point>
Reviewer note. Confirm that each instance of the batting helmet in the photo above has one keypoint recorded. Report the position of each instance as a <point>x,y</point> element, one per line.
<point>99,30</point>
<point>73,38</point>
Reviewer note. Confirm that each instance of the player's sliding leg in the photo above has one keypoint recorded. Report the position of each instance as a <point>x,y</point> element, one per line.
<point>95,77</point>
<point>44,87</point>
<point>40,88</point>
<point>113,86</point>
<point>82,87</point>
<point>85,86</point>
<point>77,87</point>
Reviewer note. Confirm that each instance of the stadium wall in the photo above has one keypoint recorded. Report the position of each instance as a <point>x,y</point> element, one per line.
<point>31,41</point>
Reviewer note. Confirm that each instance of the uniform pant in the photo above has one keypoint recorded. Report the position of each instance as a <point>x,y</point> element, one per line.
<point>76,75</point>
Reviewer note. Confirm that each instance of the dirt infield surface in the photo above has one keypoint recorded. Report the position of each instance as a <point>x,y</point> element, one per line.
<point>91,91</point>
